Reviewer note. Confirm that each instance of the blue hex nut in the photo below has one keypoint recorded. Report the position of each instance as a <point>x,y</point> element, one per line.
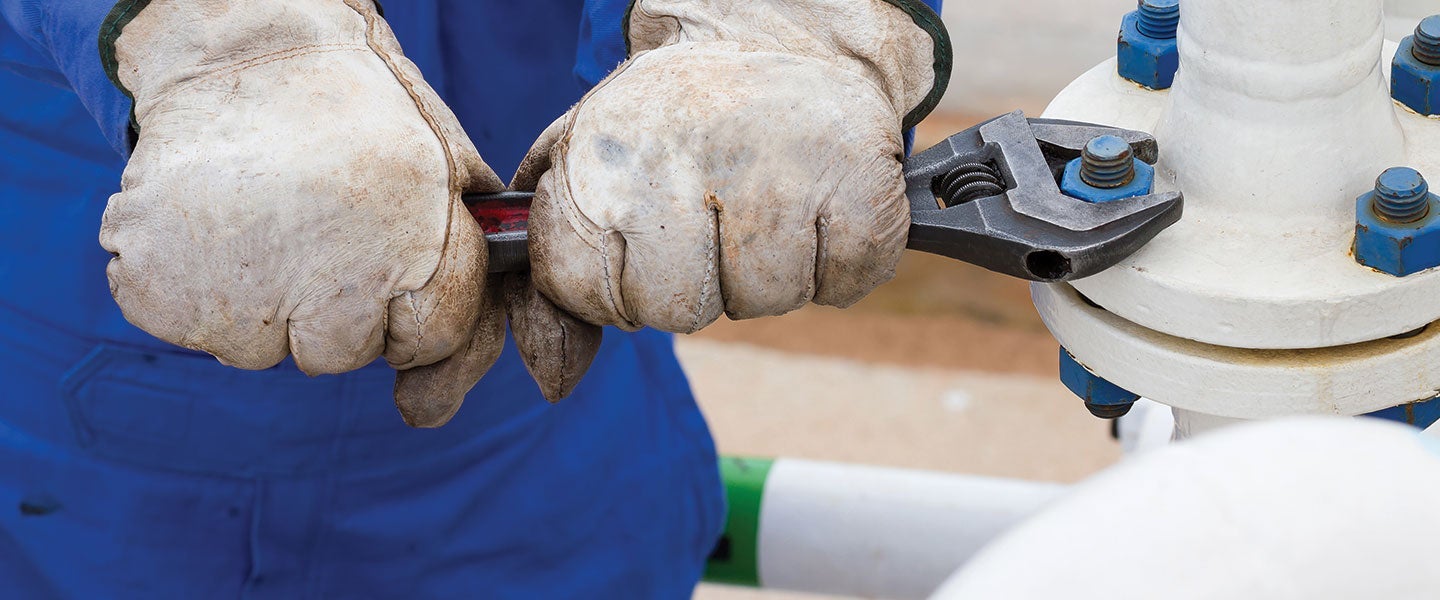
<point>1397,226</point>
<point>1420,414</point>
<point>1104,399</point>
<point>1415,73</point>
<point>1107,170</point>
<point>1147,53</point>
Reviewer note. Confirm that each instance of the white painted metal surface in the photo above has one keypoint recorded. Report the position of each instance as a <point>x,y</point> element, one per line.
<point>881,533</point>
<point>1299,509</point>
<point>1149,425</point>
<point>1238,382</point>
<point>1279,118</point>
<point>1252,305</point>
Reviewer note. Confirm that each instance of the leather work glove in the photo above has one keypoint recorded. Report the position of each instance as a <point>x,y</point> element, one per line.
<point>746,159</point>
<point>295,189</point>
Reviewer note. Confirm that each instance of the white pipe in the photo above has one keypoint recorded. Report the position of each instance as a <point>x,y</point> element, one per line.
<point>879,532</point>
<point>1280,110</point>
<point>1295,509</point>
<point>1148,425</point>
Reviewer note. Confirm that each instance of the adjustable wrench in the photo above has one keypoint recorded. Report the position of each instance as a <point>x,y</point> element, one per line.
<point>988,196</point>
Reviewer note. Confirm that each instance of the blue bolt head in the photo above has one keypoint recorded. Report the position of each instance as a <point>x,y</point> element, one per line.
<point>1104,399</point>
<point>1413,82</point>
<point>1145,60</point>
<point>1072,185</point>
<point>1394,247</point>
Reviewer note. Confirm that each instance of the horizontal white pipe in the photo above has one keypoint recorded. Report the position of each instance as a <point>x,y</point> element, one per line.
<point>879,532</point>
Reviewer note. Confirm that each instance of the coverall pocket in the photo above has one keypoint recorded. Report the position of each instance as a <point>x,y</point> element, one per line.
<point>112,403</point>
<point>189,413</point>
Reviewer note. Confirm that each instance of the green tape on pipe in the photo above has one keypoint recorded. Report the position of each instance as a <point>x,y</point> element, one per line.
<point>735,560</point>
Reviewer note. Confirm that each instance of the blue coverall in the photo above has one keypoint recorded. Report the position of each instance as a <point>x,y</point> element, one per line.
<point>133,469</point>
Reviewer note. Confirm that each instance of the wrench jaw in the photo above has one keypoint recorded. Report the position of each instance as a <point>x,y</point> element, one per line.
<point>989,234</point>
<point>1093,251</point>
<point>1065,140</point>
<point>1030,229</point>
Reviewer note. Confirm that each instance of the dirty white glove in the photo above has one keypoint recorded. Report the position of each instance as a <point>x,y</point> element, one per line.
<point>295,189</point>
<point>746,160</point>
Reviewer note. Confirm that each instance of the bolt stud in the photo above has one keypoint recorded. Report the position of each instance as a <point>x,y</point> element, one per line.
<point>1103,399</point>
<point>1427,41</point>
<point>1402,195</point>
<point>1107,162</point>
<point>1108,411</point>
<point>1159,19</point>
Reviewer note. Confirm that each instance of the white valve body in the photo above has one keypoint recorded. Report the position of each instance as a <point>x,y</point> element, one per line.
<point>1252,305</point>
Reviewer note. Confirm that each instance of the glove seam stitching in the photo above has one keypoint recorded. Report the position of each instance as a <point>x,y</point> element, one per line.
<point>419,325</point>
<point>573,215</point>
<point>609,288</point>
<point>714,207</point>
<point>822,232</point>
<point>578,221</point>
<point>452,165</point>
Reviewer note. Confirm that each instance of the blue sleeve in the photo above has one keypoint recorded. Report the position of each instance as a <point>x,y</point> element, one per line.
<point>57,42</point>
<point>602,40</point>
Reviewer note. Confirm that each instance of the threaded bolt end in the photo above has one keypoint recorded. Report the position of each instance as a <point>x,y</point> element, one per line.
<point>1427,41</point>
<point>1107,162</point>
<point>1402,195</point>
<point>1159,19</point>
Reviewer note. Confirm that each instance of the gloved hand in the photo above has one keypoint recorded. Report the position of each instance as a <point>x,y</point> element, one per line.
<point>746,159</point>
<point>295,189</point>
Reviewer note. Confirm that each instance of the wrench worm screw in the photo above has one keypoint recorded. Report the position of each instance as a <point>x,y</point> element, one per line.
<point>967,182</point>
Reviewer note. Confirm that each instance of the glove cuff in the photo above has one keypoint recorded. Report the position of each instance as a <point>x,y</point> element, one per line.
<point>885,38</point>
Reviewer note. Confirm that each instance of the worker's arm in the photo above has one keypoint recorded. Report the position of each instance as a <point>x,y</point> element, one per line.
<point>294,190</point>
<point>61,39</point>
<point>745,160</point>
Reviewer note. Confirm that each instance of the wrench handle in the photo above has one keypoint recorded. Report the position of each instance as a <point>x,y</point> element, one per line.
<point>504,217</point>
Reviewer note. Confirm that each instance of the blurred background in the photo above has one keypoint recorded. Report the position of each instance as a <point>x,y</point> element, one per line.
<point>947,367</point>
